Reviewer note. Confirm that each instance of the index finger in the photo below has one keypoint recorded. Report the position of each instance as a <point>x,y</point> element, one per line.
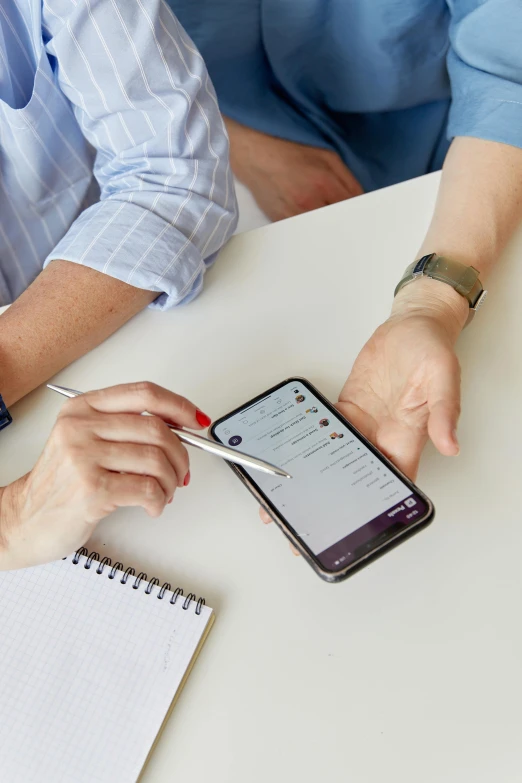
<point>147,396</point>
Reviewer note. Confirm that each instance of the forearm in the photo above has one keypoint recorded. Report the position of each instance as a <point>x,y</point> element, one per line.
<point>66,312</point>
<point>479,206</point>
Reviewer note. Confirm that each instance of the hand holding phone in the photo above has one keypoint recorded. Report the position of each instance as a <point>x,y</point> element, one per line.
<point>346,503</point>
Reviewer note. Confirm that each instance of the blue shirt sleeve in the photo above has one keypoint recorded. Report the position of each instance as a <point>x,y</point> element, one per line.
<point>142,96</point>
<point>485,68</point>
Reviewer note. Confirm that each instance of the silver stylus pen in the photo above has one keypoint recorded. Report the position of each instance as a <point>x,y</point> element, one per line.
<point>231,455</point>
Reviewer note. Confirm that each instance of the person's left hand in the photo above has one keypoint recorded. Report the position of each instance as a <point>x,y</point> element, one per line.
<point>404,386</point>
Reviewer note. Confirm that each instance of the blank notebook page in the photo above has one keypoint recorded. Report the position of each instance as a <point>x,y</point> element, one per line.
<point>88,670</point>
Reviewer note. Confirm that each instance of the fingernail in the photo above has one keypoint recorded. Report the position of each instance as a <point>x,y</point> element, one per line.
<point>170,501</point>
<point>187,480</point>
<point>202,418</point>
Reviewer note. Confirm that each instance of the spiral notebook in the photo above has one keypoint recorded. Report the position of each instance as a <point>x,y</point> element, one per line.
<point>92,657</point>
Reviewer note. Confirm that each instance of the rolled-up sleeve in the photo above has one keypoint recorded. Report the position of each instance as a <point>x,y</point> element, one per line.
<point>485,68</point>
<point>143,98</point>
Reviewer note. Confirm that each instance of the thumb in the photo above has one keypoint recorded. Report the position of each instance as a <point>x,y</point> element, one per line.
<point>444,408</point>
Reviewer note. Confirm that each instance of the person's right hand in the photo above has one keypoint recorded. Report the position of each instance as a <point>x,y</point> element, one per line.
<point>101,455</point>
<point>287,178</point>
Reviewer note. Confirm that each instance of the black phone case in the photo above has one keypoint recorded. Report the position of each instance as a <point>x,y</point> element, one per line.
<point>328,576</point>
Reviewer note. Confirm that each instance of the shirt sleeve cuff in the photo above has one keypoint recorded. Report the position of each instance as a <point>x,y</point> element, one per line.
<point>487,118</point>
<point>138,247</point>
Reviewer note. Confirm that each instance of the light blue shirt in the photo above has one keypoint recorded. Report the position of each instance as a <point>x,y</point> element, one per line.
<point>117,88</point>
<point>385,83</point>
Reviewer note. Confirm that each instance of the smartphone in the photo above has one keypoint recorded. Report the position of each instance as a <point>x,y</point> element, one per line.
<point>346,503</point>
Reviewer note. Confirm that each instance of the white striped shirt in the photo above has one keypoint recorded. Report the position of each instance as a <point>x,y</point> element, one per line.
<point>113,88</point>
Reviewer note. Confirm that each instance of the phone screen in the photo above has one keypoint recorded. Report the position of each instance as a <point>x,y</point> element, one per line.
<point>342,495</point>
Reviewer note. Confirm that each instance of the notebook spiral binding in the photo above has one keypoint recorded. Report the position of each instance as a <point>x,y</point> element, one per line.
<point>92,557</point>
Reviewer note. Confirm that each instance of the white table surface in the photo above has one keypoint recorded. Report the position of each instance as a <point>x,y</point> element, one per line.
<point>411,670</point>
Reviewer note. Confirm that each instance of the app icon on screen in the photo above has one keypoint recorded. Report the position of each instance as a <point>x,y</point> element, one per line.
<point>300,398</point>
<point>324,422</point>
<point>235,440</point>
<point>312,410</point>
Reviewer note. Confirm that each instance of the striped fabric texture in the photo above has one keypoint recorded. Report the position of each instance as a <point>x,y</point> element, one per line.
<point>113,153</point>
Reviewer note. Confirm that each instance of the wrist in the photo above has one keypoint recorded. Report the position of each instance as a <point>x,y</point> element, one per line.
<point>10,497</point>
<point>432,299</point>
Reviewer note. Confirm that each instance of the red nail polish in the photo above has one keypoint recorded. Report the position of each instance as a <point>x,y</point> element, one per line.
<point>202,418</point>
<point>187,480</point>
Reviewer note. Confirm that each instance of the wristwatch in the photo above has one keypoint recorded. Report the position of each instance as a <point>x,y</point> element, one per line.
<point>464,279</point>
<point>5,416</point>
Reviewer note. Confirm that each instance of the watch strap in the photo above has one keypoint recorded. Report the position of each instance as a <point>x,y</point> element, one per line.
<point>5,416</point>
<point>464,279</point>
